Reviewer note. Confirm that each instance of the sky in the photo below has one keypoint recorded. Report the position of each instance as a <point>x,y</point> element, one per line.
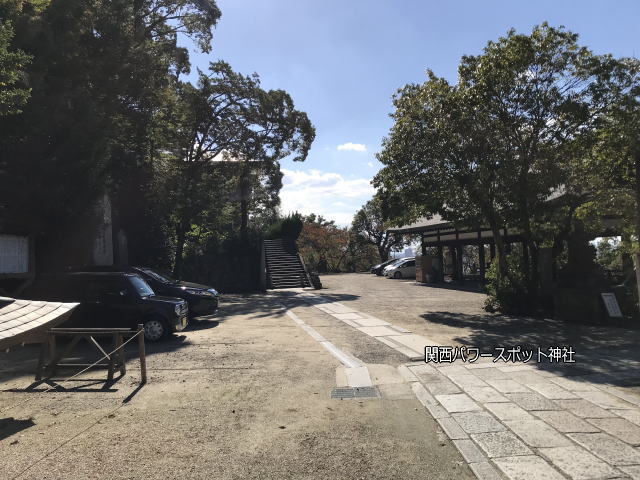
<point>341,62</point>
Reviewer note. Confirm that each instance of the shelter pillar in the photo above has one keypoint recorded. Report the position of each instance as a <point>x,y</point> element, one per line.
<point>458,265</point>
<point>482,260</point>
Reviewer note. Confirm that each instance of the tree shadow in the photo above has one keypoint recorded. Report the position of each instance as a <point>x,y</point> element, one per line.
<point>10,426</point>
<point>196,324</point>
<point>466,286</point>
<point>603,354</point>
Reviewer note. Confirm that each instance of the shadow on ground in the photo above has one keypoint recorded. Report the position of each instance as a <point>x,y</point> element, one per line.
<point>11,426</point>
<point>604,351</point>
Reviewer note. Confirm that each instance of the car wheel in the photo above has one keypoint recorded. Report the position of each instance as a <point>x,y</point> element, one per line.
<point>397,275</point>
<point>154,330</point>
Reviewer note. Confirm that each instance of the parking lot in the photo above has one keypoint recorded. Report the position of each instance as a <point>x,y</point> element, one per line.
<point>248,394</point>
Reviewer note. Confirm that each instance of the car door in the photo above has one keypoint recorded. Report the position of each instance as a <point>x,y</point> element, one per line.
<point>409,269</point>
<point>111,301</point>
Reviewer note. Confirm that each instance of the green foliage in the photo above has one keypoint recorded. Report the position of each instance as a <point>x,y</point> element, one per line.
<point>12,63</point>
<point>327,247</point>
<point>185,165</point>
<point>506,293</point>
<point>609,254</point>
<point>227,261</point>
<point>289,227</point>
<point>229,127</point>
<point>370,225</point>
<point>507,145</point>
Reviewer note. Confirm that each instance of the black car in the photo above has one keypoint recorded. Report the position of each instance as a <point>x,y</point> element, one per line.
<point>377,269</point>
<point>202,300</point>
<point>115,300</point>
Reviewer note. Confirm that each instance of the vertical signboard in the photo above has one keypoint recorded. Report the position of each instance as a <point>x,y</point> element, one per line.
<point>14,254</point>
<point>611,304</point>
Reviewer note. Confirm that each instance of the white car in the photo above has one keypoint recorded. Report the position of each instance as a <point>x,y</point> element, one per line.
<point>391,265</point>
<point>405,268</point>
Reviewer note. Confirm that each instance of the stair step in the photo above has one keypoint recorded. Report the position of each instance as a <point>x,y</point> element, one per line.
<point>284,266</point>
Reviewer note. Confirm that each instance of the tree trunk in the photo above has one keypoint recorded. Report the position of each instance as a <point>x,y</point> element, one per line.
<point>244,203</point>
<point>533,273</point>
<point>637,225</point>
<point>244,218</point>
<point>503,271</point>
<point>384,253</point>
<point>181,237</point>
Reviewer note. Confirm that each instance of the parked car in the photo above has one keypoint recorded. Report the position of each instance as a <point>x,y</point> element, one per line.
<point>406,268</point>
<point>113,300</point>
<point>202,299</point>
<point>377,269</point>
<point>395,262</point>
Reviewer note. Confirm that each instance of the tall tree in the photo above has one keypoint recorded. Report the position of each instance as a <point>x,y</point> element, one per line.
<point>370,225</point>
<point>101,77</point>
<point>492,148</point>
<point>230,123</point>
<point>608,167</point>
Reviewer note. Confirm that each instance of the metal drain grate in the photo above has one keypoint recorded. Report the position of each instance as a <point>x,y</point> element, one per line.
<point>354,392</point>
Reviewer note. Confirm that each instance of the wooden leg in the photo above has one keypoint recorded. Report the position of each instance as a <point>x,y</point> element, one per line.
<point>52,355</point>
<point>43,354</point>
<point>112,360</point>
<point>120,355</point>
<point>143,358</point>
<point>56,357</point>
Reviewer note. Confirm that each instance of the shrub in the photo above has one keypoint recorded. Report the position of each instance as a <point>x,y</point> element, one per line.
<point>509,294</point>
<point>285,227</point>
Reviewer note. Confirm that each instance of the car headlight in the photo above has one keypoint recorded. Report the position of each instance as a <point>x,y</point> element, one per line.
<point>213,292</point>
<point>202,293</point>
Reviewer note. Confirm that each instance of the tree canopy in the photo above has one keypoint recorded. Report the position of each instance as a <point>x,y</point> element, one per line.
<point>494,148</point>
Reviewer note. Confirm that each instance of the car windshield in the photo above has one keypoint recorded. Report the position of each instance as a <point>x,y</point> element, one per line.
<point>157,276</point>
<point>141,287</point>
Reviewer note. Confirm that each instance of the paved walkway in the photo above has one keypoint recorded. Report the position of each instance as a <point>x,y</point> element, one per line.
<point>518,420</point>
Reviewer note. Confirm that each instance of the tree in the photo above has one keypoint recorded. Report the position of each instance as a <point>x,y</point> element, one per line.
<point>369,224</point>
<point>610,167</point>
<point>102,78</point>
<point>228,123</point>
<point>13,96</point>
<point>326,247</point>
<point>491,149</point>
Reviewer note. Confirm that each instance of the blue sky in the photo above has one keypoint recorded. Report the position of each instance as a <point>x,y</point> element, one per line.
<point>341,61</point>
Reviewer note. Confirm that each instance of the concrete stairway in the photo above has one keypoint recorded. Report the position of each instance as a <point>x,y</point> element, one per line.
<point>284,266</point>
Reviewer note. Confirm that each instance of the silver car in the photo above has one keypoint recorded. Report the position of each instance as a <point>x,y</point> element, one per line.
<point>405,268</point>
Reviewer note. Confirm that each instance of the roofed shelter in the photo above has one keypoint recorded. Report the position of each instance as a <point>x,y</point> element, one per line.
<point>449,242</point>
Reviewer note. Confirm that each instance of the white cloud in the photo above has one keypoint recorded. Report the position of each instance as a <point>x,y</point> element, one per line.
<point>370,164</point>
<point>324,193</point>
<point>355,147</point>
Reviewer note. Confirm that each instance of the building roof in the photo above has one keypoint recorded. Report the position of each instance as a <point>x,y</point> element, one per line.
<point>423,224</point>
<point>21,319</point>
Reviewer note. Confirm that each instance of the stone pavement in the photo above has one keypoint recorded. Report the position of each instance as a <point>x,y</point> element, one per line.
<point>520,420</point>
<point>398,338</point>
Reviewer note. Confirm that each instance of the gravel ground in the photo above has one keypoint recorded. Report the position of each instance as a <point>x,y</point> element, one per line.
<point>454,316</point>
<point>243,396</point>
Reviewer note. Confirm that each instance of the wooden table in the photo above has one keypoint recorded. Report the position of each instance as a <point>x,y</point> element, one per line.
<point>113,360</point>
